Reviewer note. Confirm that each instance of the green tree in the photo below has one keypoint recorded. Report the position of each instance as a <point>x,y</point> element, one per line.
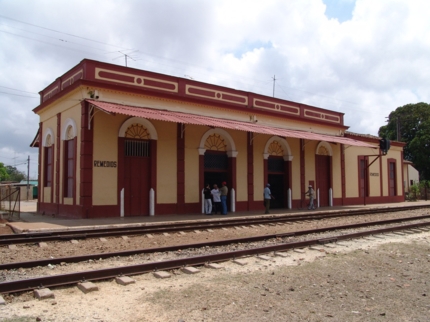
<point>411,124</point>
<point>3,173</point>
<point>15,174</point>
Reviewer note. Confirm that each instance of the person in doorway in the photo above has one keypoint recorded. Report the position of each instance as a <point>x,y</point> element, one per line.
<point>216,196</point>
<point>267,197</point>
<point>224,192</point>
<point>311,194</point>
<point>208,199</point>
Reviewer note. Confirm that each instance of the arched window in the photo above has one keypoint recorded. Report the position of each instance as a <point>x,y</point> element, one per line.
<point>48,142</point>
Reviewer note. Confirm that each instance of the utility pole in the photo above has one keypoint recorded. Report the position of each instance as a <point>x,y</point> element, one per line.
<point>28,177</point>
<point>274,80</point>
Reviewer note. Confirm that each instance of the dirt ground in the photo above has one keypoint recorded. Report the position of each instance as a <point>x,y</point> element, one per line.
<point>365,280</point>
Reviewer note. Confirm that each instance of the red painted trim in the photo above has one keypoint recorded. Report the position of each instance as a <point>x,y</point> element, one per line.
<point>381,188</point>
<point>153,167</point>
<point>180,163</point>
<point>369,200</point>
<point>232,175</point>
<point>290,178</point>
<point>287,180</point>
<point>75,161</point>
<point>201,176</point>
<point>403,175</point>
<point>266,171</point>
<point>39,168</point>
<point>372,139</point>
<point>57,165</point>
<point>342,173</point>
<point>121,169</point>
<point>302,171</point>
<point>391,160</point>
<point>86,160</point>
<point>171,87</point>
<point>250,169</point>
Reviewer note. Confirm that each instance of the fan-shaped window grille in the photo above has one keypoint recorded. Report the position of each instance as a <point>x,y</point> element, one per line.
<point>275,164</point>
<point>216,161</point>
<point>137,131</point>
<point>323,151</point>
<point>48,141</point>
<point>69,133</point>
<point>275,149</point>
<point>215,143</point>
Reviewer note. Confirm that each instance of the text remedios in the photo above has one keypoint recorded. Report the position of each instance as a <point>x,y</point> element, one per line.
<point>105,164</point>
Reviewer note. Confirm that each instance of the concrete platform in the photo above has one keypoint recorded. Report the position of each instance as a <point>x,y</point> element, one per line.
<point>30,221</point>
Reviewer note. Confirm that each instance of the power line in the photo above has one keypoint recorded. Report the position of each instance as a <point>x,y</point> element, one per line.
<point>14,89</point>
<point>44,42</point>
<point>56,38</point>
<point>18,95</point>
<point>64,33</point>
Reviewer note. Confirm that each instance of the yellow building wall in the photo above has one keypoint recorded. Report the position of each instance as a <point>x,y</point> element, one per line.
<point>213,111</point>
<point>393,153</point>
<point>259,143</point>
<point>240,140</point>
<point>336,170</point>
<point>192,142</point>
<point>69,107</point>
<point>166,191</point>
<point>351,169</point>
<point>74,113</point>
<point>295,167</point>
<point>310,149</point>
<point>50,123</point>
<point>105,148</point>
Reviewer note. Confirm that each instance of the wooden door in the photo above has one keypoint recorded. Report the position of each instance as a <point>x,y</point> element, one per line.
<point>323,177</point>
<point>136,178</point>
<point>392,178</point>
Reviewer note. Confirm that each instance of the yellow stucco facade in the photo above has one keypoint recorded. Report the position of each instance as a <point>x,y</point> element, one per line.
<point>75,110</point>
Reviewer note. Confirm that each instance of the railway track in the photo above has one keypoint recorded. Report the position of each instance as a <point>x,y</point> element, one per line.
<point>94,275</point>
<point>27,238</point>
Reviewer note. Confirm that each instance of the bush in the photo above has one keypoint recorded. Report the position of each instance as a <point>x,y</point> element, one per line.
<point>414,192</point>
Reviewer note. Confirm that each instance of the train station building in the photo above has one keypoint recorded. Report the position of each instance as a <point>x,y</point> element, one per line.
<point>116,141</point>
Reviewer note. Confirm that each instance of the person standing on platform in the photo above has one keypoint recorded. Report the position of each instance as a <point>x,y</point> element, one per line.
<point>208,199</point>
<point>311,194</point>
<point>267,197</point>
<point>216,199</point>
<point>224,192</point>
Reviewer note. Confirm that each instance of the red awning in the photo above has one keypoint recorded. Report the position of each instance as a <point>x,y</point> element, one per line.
<point>186,118</point>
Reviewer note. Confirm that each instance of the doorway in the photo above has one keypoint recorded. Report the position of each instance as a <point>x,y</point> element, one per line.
<point>323,177</point>
<point>136,177</point>
<point>216,169</point>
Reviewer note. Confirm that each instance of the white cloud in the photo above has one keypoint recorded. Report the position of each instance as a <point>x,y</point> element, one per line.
<point>365,66</point>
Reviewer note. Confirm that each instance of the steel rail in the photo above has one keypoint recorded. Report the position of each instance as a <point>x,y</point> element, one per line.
<point>109,273</point>
<point>81,258</point>
<point>175,227</point>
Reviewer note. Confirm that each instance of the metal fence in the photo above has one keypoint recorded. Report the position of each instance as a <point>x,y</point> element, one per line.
<point>10,197</point>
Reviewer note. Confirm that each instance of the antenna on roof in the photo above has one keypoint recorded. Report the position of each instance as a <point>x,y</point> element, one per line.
<point>126,56</point>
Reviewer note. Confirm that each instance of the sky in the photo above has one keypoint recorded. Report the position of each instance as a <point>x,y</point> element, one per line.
<point>363,58</point>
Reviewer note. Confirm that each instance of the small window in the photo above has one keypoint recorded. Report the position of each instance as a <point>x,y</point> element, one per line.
<point>69,168</point>
<point>48,167</point>
<point>136,148</point>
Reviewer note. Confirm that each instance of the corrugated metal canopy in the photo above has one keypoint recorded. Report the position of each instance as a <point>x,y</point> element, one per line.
<point>186,118</point>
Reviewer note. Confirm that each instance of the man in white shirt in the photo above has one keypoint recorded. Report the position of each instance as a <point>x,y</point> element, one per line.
<point>310,193</point>
<point>267,197</point>
<point>216,195</point>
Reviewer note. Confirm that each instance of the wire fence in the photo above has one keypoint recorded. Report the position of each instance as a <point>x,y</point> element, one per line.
<point>10,197</point>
